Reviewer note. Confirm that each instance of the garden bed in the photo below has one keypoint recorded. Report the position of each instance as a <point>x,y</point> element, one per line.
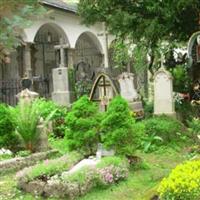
<point>18,163</point>
<point>58,183</point>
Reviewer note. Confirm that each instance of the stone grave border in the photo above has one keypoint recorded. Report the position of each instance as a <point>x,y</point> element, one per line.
<point>18,163</point>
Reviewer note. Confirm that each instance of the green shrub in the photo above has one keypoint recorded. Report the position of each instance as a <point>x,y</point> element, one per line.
<point>8,138</point>
<point>148,109</point>
<point>83,123</point>
<point>117,128</point>
<point>23,153</point>
<point>183,183</point>
<point>194,127</point>
<point>59,144</point>
<point>46,107</point>
<point>26,117</point>
<point>167,128</point>
<point>186,111</point>
<point>5,157</point>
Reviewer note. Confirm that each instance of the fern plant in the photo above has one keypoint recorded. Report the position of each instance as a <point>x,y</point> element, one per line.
<point>26,117</point>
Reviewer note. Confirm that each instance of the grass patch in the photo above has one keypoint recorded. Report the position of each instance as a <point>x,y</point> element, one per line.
<point>140,185</point>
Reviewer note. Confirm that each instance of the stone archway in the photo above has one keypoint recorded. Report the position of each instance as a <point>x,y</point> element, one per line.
<point>44,57</point>
<point>88,61</point>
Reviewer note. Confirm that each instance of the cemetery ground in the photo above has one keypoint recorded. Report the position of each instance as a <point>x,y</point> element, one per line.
<point>51,148</point>
<point>140,185</point>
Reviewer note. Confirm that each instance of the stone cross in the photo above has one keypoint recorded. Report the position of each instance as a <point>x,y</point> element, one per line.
<point>61,47</point>
<point>163,93</point>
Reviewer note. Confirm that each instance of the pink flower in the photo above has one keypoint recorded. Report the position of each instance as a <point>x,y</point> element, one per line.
<point>46,162</point>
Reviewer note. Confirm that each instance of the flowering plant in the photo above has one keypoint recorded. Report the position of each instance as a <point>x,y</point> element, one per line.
<point>112,174</point>
<point>183,183</point>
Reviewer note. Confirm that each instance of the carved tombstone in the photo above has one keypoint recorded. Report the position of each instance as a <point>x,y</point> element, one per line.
<point>128,92</point>
<point>163,93</point>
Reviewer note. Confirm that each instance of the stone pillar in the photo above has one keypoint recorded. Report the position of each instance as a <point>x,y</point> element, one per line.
<point>27,60</point>
<point>105,40</point>
<point>70,57</point>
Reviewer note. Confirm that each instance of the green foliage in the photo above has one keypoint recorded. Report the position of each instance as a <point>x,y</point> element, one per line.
<point>8,138</point>
<point>186,111</point>
<point>112,160</point>
<point>144,20</point>
<point>161,130</point>
<point>81,177</point>
<point>49,167</point>
<point>148,109</point>
<point>46,107</point>
<point>117,127</point>
<point>5,157</point>
<point>16,15</point>
<point>59,144</point>
<point>83,123</point>
<point>194,127</point>
<point>166,127</point>
<point>26,117</point>
<point>183,183</point>
<point>148,24</point>
<point>120,55</point>
<point>140,58</point>
<point>182,81</point>
<point>23,153</point>
<point>149,143</point>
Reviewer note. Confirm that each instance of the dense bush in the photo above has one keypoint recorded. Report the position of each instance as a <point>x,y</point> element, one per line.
<point>167,128</point>
<point>83,123</point>
<point>46,107</point>
<point>186,111</point>
<point>117,128</point>
<point>183,183</point>
<point>8,138</point>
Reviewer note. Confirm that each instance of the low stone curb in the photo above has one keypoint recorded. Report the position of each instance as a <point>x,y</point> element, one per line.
<point>56,188</point>
<point>18,163</point>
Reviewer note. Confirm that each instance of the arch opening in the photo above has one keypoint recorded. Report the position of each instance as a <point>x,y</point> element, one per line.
<point>88,61</point>
<point>45,57</point>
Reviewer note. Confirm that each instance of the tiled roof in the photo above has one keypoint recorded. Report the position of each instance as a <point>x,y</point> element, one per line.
<point>60,4</point>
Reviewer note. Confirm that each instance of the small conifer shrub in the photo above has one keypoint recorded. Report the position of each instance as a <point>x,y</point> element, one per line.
<point>83,126</point>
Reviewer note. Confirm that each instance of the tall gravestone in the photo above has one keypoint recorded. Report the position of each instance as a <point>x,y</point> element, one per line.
<point>61,90</point>
<point>163,93</point>
<point>128,92</point>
